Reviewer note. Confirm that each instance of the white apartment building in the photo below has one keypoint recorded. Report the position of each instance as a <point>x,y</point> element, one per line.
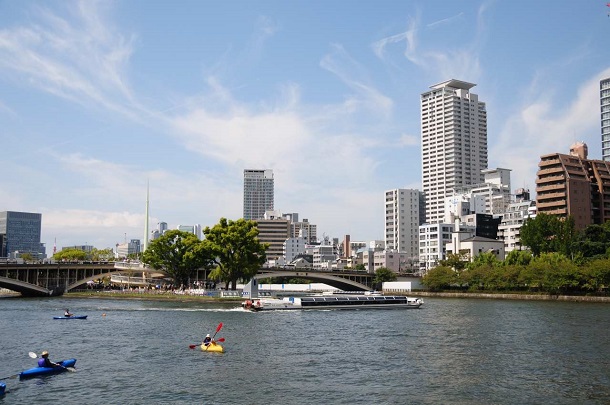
<point>389,259</point>
<point>495,189</point>
<point>324,255</point>
<point>402,221</point>
<point>433,240</point>
<point>459,206</point>
<point>604,101</point>
<point>305,229</point>
<point>294,247</point>
<point>454,142</point>
<point>258,193</point>
<point>512,220</point>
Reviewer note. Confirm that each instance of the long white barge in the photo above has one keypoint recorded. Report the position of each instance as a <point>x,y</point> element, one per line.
<point>333,301</point>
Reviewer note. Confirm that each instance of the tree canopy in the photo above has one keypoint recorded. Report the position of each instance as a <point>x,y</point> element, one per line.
<point>382,275</point>
<point>236,250</point>
<point>70,255</point>
<point>548,233</point>
<point>178,254</point>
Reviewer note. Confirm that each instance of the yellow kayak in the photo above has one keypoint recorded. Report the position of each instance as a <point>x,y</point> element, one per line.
<point>212,347</point>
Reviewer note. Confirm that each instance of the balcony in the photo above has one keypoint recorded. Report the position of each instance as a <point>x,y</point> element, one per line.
<point>550,179</point>
<point>559,212</point>
<point>550,170</point>
<point>550,187</point>
<point>558,204</point>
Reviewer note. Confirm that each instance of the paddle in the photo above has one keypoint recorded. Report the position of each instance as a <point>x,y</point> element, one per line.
<point>194,346</point>
<point>70,369</point>
<point>217,330</point>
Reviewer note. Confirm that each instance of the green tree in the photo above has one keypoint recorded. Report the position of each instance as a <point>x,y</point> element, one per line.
<point>596,275</point>
<point>456,261</point>
<point>474,276</point>
<point>485,259</point>
<point>547,233</point>
<point>594,241</point>
<point>178,254</point>
<point>439,278</point>
<point>382,275</point>
<point>518,258</point>
<point>566,236</point>
<point>70,255</point>
<point>27,257</point>
<point>560,274</point>
<point>102,254</point>
<point>236,250</point>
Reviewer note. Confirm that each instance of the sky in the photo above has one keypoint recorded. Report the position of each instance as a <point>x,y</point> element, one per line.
<point>101,99</point>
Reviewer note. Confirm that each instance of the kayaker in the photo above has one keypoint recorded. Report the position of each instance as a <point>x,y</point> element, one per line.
<point>67,313</point>
<point>45,362</point>
<point>207,340</point>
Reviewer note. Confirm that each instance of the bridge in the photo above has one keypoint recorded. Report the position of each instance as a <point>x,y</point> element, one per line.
<point>343,280</point>
<point>53,279</point>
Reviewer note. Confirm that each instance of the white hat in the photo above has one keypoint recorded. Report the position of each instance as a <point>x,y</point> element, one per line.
<point>208,335</point>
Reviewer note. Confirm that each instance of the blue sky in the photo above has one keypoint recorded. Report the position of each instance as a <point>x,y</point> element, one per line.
<point>97,98</point>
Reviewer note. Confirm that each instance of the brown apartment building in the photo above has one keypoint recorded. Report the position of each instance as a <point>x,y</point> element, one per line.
<point>572,185</point>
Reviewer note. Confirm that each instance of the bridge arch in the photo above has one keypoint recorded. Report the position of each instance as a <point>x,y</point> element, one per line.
<point>331,279</point>
<point>24,288</point>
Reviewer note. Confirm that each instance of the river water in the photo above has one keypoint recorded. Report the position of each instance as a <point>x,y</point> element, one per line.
<point>452,351</point>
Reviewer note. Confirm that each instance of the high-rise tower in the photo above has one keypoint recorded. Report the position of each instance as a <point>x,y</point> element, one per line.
<point>604,97</point>
<point>454,142</point>
<point>258,193</point>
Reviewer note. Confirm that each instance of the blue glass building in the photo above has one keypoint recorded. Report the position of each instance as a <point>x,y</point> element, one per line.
<point>20,232</point>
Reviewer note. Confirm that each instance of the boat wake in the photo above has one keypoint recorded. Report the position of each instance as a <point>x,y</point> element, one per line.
<point>154,309</point>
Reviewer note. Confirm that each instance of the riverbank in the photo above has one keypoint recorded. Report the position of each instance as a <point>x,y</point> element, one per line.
<point>526,297</point>
<point>151,296</point>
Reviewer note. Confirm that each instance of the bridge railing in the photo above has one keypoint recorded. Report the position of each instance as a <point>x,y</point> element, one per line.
<point>116,278</point>
<point>129,265</point>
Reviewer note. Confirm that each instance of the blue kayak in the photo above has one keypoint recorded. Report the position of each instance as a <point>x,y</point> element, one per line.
<point>71,317</point>
<point>37,371</point>
<point>2,388</point>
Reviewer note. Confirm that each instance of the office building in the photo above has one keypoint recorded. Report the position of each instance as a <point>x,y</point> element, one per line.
<point>194,229</point>
<point>125,250</point>
<point>604,98</point>
<point>454,143</point>
<point>258,193</point>
<point>20,233</point>
<point>572,185</point>
<point>274,230</point>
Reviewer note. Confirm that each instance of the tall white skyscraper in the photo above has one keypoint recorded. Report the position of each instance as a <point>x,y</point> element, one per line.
<point>258,193</point>
<point>604,96</point>
<point>402,221</point>
<point>454,143</point>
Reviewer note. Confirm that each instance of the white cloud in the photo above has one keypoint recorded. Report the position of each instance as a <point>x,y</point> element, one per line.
<point>79,59</point>
<point>445,20</point>
<point>353,74</point>
<point>409,140</point>
<point>541,126</point>
<point>446,63</point>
